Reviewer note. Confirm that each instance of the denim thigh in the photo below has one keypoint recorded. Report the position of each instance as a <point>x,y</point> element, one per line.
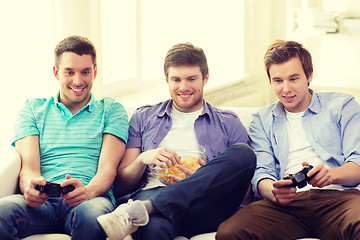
<point>18,220</point>
<point>81,222</point>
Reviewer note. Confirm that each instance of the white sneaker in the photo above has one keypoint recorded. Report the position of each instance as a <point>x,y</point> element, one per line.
<point>124,220</point>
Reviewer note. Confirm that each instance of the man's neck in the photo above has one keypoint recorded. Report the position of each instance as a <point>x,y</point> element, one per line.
<point>74,107</point>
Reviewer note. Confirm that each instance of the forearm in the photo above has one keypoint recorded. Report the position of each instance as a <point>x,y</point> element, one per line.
<point>25,177</point>
<point>28,150</point>
<point>128,177</point>
<point>347,175</point>
<point>101,182</point>
<point>108,164</point>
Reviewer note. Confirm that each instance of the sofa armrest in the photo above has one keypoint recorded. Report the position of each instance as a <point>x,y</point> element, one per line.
<point>9,172</point>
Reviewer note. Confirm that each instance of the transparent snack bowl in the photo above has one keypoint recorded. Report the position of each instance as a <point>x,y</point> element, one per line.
<point>189,159</point>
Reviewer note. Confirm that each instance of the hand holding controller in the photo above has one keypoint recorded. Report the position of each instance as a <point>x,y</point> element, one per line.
<point>300,179</point>
<point>54,189</point>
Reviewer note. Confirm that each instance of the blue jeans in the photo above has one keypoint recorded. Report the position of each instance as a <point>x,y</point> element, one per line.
<point>199,203</point>
<point>17,220</point>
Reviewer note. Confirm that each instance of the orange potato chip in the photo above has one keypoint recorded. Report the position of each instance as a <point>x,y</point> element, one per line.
<point>189,163</point>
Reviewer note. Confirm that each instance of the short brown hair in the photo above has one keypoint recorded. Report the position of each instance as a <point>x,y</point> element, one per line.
<point>281,51</point>
<point>76,44</point>
<point>186,54</point>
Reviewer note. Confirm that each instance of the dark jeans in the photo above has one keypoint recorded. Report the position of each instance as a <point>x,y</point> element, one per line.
<point>324,214</point>
<point>199,203</point>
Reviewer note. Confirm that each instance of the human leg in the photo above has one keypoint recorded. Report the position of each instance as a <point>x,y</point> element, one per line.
<point>199,218</point>
<point>159,228</point>
<point>338,213</point>
<point>17,220</point>
<point>228,174</point>
<point>202,201</point>
<point>269,221</point>
<point>124,220</point>
<point>81,221</point>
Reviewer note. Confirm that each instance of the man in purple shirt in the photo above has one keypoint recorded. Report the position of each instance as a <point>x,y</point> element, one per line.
<point>157,136</point>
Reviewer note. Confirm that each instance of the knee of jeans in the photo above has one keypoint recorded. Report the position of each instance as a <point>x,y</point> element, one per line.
<point>84,222</point>
<point>11,208</point>
<point>88,211</point>
<point>11,205</point>
<point>5,211</point>
<point>243,155</point>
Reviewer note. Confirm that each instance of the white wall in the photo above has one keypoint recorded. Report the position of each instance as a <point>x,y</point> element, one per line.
<point>31,29</point>
<point>26,60</point>
<point>30,32</point>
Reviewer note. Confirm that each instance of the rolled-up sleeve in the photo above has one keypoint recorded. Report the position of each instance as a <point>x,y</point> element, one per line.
<point>267,166</point>
<point>350,131</point>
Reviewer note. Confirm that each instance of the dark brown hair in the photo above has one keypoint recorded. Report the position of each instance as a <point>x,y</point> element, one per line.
<point>186,54</point>
<point>281,51</point>
<point>76,44</point>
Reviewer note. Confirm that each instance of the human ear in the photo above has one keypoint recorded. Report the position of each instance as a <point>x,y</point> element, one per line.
<point>56,72</point>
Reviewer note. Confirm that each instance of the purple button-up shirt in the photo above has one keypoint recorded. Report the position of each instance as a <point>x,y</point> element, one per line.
<point>215,129</point>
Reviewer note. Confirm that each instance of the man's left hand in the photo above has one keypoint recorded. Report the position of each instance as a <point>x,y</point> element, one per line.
<point>321,176</point>
<point>78,195</point>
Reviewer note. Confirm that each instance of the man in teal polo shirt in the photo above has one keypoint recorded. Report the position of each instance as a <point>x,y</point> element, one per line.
<point>71,139</point>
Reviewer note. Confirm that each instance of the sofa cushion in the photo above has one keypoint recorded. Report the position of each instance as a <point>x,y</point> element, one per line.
<point>245,114</point>
<point>9,172</point>
<point>205,236</point>
<point>48,237</point>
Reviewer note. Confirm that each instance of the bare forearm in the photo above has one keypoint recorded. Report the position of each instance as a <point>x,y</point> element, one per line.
<point>25,178</point>
<point>101,183</point>
<point>28,150</point>
<point>108,164</point>
<point>128,178</point>
<point>347,175</point>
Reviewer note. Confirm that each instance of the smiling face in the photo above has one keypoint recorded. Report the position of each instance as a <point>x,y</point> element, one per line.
<point>290,84</point>
<point>75,74</point>
<point>186,86</point>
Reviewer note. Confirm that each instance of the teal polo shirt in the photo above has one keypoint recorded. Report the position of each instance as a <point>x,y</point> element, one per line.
<point>71,144</point>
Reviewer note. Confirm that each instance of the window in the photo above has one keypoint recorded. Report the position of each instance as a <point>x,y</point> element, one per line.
<point>330,30</point>
<point>136,37</point>
<point>118,26</point>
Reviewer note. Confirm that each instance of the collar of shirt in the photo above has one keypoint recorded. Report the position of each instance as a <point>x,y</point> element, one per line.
<point>315,106</point>
<point>90,105</point>
<point>166,109</point>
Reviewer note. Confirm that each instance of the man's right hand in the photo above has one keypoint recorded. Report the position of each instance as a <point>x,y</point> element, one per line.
<point>33,197</point>
<point>284,194</point>
<point>161,157</point>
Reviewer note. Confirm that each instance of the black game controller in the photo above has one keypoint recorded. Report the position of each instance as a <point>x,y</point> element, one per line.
<point>300,178</point>
<point>54,189</point>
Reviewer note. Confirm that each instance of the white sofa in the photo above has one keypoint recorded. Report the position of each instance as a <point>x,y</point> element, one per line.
<point>10,167</point>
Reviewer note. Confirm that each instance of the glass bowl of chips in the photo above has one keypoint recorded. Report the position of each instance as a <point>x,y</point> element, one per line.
<point>189,159</point>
